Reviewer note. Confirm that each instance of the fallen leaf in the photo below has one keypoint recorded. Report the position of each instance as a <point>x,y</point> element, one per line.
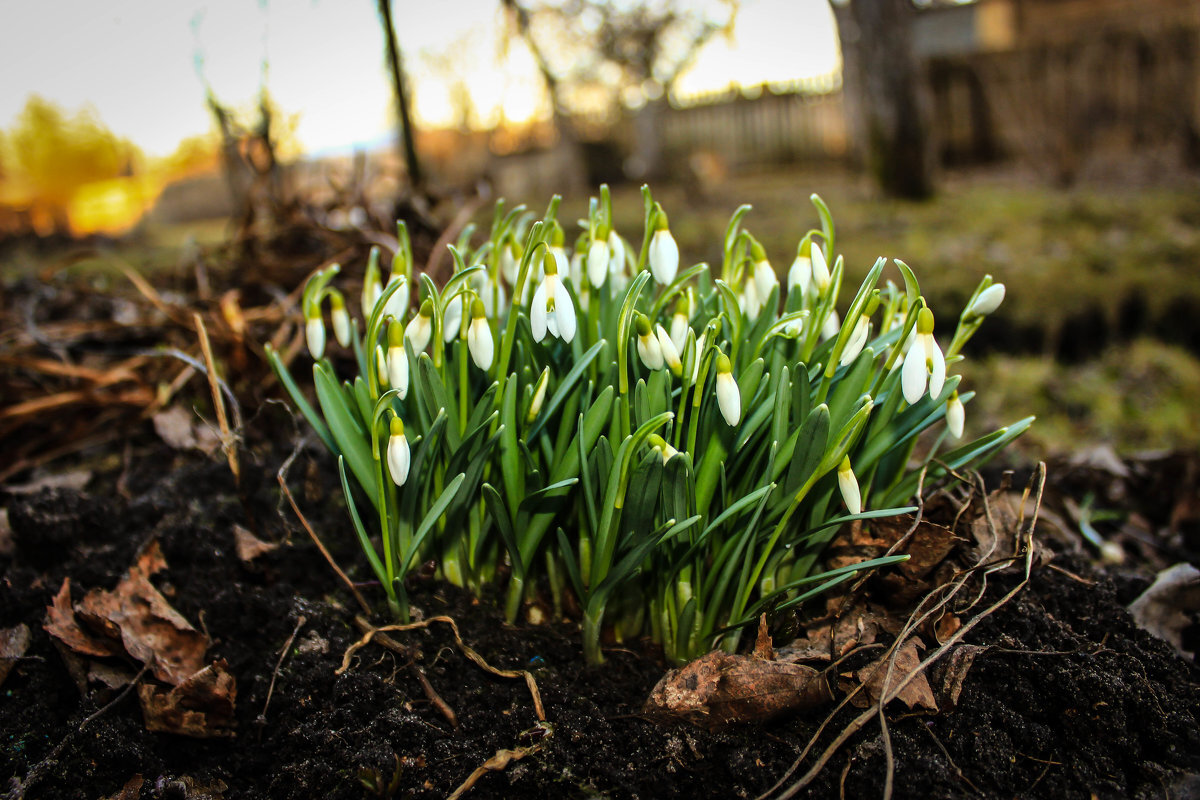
<point>1170,605</point>
<point>721,689</point>
<point>903,662</point>
<point>75,479</point>
<point>62,625</point>
<point>132,789</point>
<point>249,546</point>
<point>13,644</point>
<point>952,672</point>
<point>178,428</point>
<point>202,706</point>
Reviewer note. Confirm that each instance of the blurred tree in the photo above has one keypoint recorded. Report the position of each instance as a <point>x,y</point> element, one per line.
<point>52,155</point>
<point>886,110</point>
<point>597,57</point>
<point>407,134</point>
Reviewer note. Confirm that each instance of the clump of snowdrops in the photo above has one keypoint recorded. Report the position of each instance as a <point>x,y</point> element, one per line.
<point>671,445</point>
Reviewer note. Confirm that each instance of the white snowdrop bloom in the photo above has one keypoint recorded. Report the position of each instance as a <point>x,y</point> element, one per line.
<point>856,342</point>
<point>495,299</point>
<point>616,254</point>
<point>765,278</point>
<point>420,328</point>
<point>576,270</point>
<point>398,456</point>
<point>670,353</point>
<point>662,446</point>
<point>597,262</point>
<point>397,304</point>
<point>452,321</point>
<point>664,252</point>
<point>749,301</point>
<point>479,337</point>
<point>800,275</point>
<point>397,360</point>
<point>371,290</point>
<point>701,344</point>
<point>820,269</point>
<point>508,264</point>
<point>381,367</point>
<point>833,324</point>
<point>956,416</point>
<point>848,485</point>
<point>649,350</point>
<point>561,260</point>
<point>729,396</point>
<point>314,334</point>
<point>552,310</point>
<point>924,362</point>
<point>987,301</point>
<point>539,396</point>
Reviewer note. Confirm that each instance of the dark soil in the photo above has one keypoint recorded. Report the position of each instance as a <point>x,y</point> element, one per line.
<point>1073,700</point>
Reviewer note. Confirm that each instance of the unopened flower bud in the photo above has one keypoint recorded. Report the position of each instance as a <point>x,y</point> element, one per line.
<point>729,396</point>
<point>479,337</point>
<point>539,396</point>
<point>848,485</point>
<point>398,453</point>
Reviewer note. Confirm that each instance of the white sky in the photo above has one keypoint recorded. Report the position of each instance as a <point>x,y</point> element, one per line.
<point>133,61</point>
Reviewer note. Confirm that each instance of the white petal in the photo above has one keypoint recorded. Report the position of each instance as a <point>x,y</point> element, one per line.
<point>537,313</point>
<point>987,301</point>
<point>564,312</point>
<point>765,278</point>
<point>397,304</point>
<point>341,327</point>
<point>576,270</point>
<point>832,325</point>
<point>616,254</point>
<point>398,459</point>
<point>314,332</point>
<point>664,257</point>
<point>552,324</point>
<point>679,329</point>
<point>800,275</point>
<point>937,371</point>
<point>650,351</point>
<point>820,268</point>
<point>956,417</point>
<point>381,367</point>
<point>670,354</point>
<point>418,331</point>
<point>479,342</point>
<point>729,398</point>
<point>857,340</point>
<point>560,261</point>
<point>848,485</point>
<point>597,263</point>
<point>453,319</point>
<point>397,366</point>
<point>912,377</point>
<point>508,265</point>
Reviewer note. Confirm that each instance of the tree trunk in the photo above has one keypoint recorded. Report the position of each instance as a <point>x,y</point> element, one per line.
<point>408,149</point>
<point>886,108</point>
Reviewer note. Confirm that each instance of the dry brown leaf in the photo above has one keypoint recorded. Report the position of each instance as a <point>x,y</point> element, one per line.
<point>62,625</point>
<point>952,672</point>
<point>13,644</point>
<point>202,706</point>
<point>249,546</point>
<point>1169,606</point>
<point>132,789</point>
<point>906,660</point>
<point>178,428</point>
<point>721,689</point>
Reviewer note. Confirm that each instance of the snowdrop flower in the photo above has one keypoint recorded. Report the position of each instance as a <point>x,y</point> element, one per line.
<point>420,327</point>
<point>479,337</point>
<point>597,261</point>
<point>552,309</point>
<point>848,485</point>
<point>701,344</point>
<point>820,269</point>
<point>729,397</point>
<point>670,354</point>
<point>575,272</point>
<point>987,301</point>
<point>495,299</point>
<point>923,362</point>
<point>664,252</point>
<point>397,304</point>
<point>856,342</point>
<point>397,359</point>
<point>397,453</point>
<point>508,264</point>
<point>762,280</point>
<point>956,416</point>
<point>648,346</point>
<point>539,396</point>
<point>314,334</point>
<point>662,446</point>
<point>381,367</point>
<point>833,324</point>
<point>452,321</point>
<point>800,274</point>
<point>616,255</point>
<point>679,321</point>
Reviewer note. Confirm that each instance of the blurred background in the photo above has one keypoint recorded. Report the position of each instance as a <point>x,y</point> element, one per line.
<point>1054,144</point>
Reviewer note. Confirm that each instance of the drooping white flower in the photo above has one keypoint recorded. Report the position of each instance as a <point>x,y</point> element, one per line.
<point>987,301</point>
<point>923,363</point>
<point>648,347</point>
<point>314,334</point>
<point>479,337</point>
<point>956,416</point>
<point>848,485</point>
<point>552,310</point>
<point>820,269</point>
<point>856,342</point>
<point>452,321</point>
<point>670,354</point>
<point>576,269</point>
<point>662,446</point>
<point>381,367</point>
<point>539,396</point>
<point>832,325</point>
<point>800,275</point>
<point>597,262</point>
<point>340,318</point>
<point>664,252</point>
<point>397,359</point>
<point>398,453</point>
<point>701,344</point>
<point>729,396</point>
<point>679,322</point>
<point>420,327</point>
<point>397,304</point>
<point>372,287</point>
<point>508,264</point>
<point>616,255</point>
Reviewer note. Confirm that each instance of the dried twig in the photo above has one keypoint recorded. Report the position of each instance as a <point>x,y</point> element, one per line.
<point>463,646</point>
<point>262,717</point>
<point>228,440</point>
